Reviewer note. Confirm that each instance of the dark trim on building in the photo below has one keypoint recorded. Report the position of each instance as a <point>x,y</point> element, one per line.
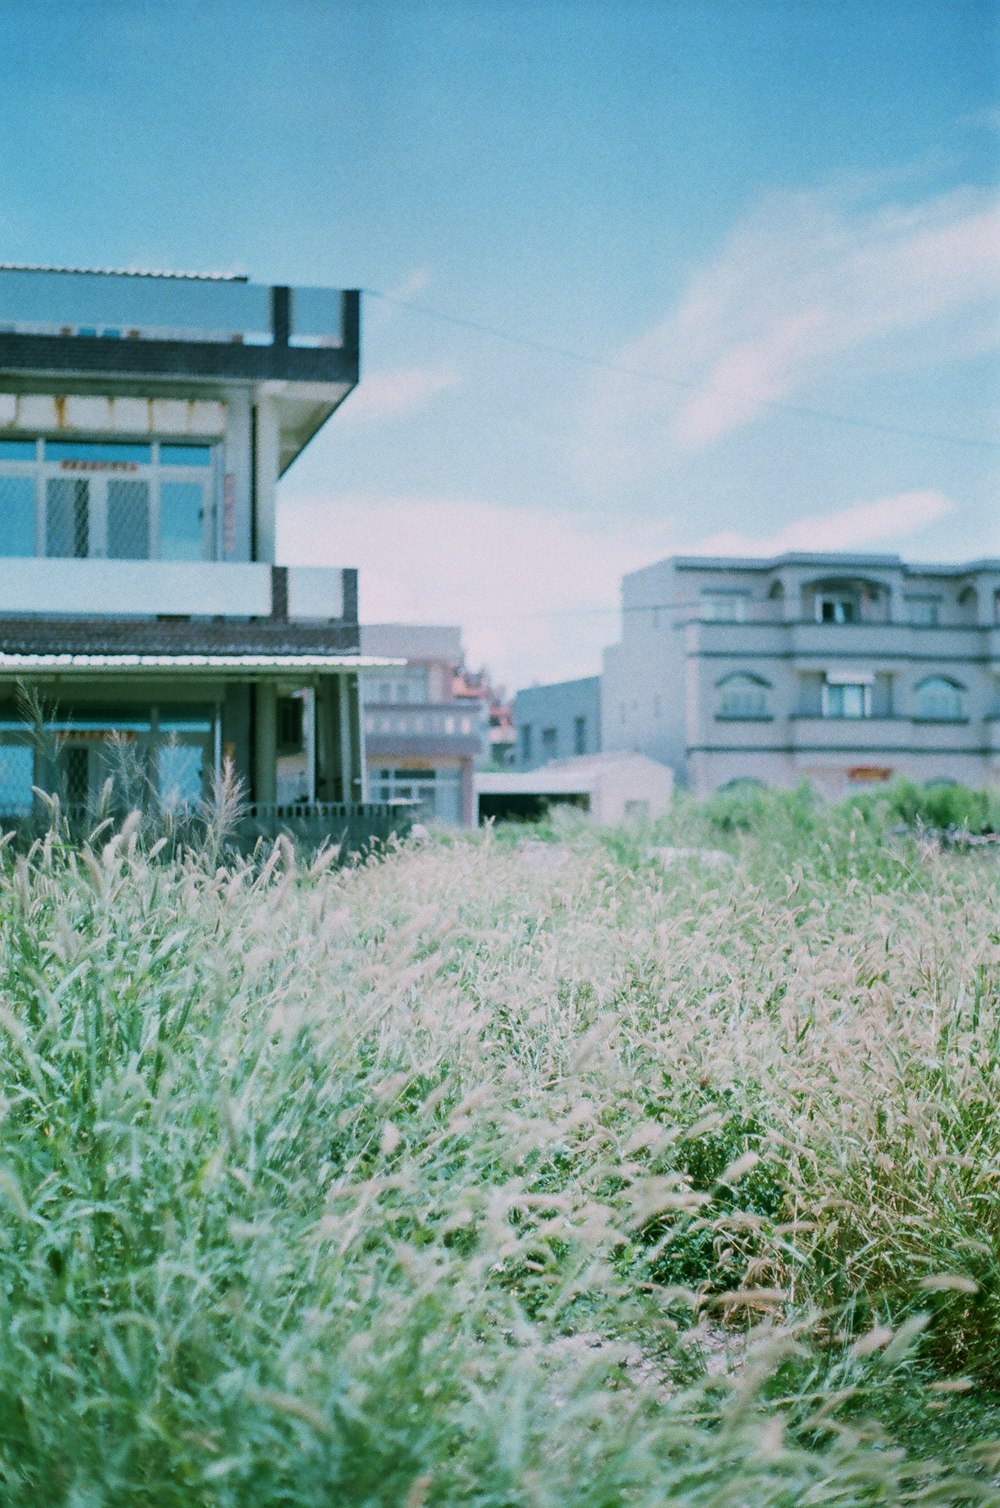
<point>96,355</point>
<point>281,315</point>
<point>279,593</point>
<point>875,657</point>
<point>175,636</point>
<point>350,593</point>
<point>848,750</point>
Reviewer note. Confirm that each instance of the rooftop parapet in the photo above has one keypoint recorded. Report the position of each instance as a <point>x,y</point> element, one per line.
<point>117,324</point>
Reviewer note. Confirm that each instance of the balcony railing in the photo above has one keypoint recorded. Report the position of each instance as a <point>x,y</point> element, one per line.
<point>446,720</point>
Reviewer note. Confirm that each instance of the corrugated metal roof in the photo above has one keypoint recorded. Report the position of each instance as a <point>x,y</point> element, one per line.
<point>130,272</point>
<point>248,664</point>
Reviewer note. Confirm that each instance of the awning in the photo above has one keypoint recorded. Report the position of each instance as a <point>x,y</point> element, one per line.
<point>248,666</point>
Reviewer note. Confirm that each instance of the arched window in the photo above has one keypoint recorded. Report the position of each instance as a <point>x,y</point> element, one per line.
<point>968,605</point>
<point>940,699</point>
<point>743,695</point>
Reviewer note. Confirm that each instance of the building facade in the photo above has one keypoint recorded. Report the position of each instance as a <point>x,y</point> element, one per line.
<point>144,423</point>
<point>838,669</point>
<point>423,741</point>
<point>558,721</point>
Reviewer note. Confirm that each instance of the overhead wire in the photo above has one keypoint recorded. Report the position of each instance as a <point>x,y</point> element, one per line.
<point>582,358</point>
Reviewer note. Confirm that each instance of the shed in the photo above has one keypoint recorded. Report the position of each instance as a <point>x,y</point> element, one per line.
<point>612,787</point>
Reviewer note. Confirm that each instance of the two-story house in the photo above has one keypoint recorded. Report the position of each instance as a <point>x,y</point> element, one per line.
<point>838,669</point>
<point>144,423</point>
<point>423,741</point>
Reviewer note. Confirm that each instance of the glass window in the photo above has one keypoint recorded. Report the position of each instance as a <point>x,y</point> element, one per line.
<point>94,450</point>
<point>550,741</point>
<point>181,769</point>
<point>923,611</point>
<point>579,735</point>
<point>181,521</point>
<point>847,699</point>
<point>836,609</point>
<point>128,520</point>
<point>724,607</point>
<point>17,515</point>
<point>185,455</point>
<point>67,517</point>
<point>743,696</point>
<point>939,699</point>
<point>105,499</point>
<point>17,776</point>
<point>526,743</point>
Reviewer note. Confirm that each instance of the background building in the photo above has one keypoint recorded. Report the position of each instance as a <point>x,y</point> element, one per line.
<point>557,721</point>
<point>423,741</point>
<point>144,423</point>
<point>840,669</point>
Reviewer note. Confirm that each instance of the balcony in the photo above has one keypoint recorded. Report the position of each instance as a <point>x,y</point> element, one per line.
<point>71,588</point>
<point>808,643</point>
<point>444,728</point>
<point>810,734</point>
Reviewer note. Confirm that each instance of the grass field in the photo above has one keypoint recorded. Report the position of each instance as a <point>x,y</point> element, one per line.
<point>522,1168</point>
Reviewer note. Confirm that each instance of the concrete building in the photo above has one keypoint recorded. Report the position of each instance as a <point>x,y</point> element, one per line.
<point>839,669</point>
<point>423,742</point>
<point>612,788</point>
<point>144,423</point>
<point>557,721</point>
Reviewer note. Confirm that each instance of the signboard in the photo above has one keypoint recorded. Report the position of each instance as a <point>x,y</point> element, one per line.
<point>866,773</point>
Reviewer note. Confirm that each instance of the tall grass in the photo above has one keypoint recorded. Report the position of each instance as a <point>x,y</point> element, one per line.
<point>500,1175</point>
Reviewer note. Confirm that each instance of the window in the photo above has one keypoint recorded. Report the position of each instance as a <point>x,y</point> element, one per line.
<point>437,793</point>
<point>17,776</point>
<point>107,499</point>
<point>290,724</point>
<point>724,607</point>
<point>579,735</point>
<point>550,742</point>
<point>836,608</point>
<point>923,612</point>
<point>526,744</point>
<point>939,700</point>
<point>743,696</point>
<point>399,688</point>
<point>847,698</point>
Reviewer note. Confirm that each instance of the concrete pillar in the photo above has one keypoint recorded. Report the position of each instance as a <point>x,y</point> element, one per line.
<point>357,783</point>
<point>265,751</point>
<point>267,459</point>
<point>328,783</point>
<point>469,813</point>
<point>340,749</point>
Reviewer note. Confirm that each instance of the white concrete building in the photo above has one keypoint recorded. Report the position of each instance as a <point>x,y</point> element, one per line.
<point>618,787</point>
<point>839,669</point>
<point>145,420</point>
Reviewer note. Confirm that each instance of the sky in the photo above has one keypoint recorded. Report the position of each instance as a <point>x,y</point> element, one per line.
<point>644,277</point>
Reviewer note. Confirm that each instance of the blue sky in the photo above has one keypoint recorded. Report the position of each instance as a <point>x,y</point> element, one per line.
<point>774,212</point>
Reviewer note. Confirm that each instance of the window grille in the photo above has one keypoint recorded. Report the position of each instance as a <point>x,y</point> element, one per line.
<point>74,499</point>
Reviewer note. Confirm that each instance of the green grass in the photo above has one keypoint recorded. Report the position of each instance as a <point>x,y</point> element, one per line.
<point>505,1176</point>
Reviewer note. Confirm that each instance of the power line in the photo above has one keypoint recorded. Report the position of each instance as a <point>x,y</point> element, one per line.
<point>548,348</point>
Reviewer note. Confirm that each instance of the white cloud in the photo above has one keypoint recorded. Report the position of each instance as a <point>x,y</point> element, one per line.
<point>535,593</point>
<point>849,528</point>
<point>806,281</point>
<point>396,394</point>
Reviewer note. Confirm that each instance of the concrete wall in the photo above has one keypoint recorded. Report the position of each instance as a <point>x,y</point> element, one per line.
<point>664,683</point>
<point>555,709</point>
